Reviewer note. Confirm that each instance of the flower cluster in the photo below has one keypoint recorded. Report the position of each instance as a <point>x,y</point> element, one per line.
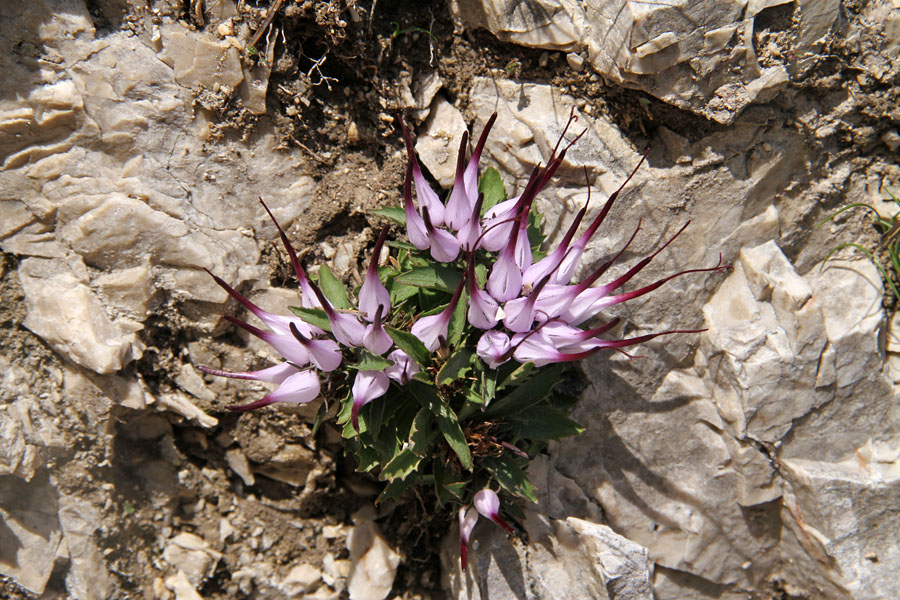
<point>464,330</point>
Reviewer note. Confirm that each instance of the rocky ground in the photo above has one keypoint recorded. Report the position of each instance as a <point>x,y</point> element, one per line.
<point>758,459</point>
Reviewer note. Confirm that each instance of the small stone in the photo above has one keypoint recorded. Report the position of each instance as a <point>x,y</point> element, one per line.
<point>240,465</point>
<point>301,579</point>
<point>373,563</point>
<point>891,139</point>
<point>225,28</point>
<point>352,133</point>
<point>181,585</point>
<point>191,555</point>
<point>576,61</point>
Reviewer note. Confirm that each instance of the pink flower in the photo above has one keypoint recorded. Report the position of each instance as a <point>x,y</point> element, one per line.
<point>403,369</point>
<point>459,208</point>
<point>487,504</point>
<point>373,295</point>
<point>367,386</point>
<point>444,245</point>
<point>376,339</point>
<point>427,198</point>
<point>467,520</point>
<point>299,388</point>
<point>482,312</point>
<point>493,348</point>
<point>432,330</point>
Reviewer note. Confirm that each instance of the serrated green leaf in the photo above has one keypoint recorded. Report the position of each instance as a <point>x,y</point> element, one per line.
<point>422,432</point>
<point>375,416</point>
<point>404,463</point>
<point>346,408</point>
<point>367,459</point>
<point>543,423</point>
<point>449,485</point>
<point>410,344</point>
<point>509,474</point>
<point>372,362</point>
<point>456,366</point>
<point>512,374</point>
<point>446,418</point>
<point>333,288</point>
<point>320,418</point>
<point>394,489</point>
<point>528,394</point>
<point>491,185</point>
<point>488,385</point>
<point>435,277</point>
<point>458,322</point>
<point>393,213</point>
<point>313,316</point>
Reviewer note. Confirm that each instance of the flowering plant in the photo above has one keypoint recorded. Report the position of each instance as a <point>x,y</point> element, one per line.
<point>446,367</point>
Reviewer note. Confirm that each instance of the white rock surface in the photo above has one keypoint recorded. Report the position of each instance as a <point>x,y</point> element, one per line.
<point>438,144</point>
<point>567,559</point>
<point>300,580</point>
<point>60,303</point>
<point>191,554</point>
<point>373,563</point>
<point>700,56</point>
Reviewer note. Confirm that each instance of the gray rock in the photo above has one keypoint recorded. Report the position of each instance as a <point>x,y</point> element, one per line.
<point>575,559</point>
<point>88,578</point>
<point>59,303</point>
<point>699,56</point>
<point>438,144</point>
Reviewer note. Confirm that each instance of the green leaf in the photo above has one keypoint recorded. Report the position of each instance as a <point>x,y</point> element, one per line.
<point>375,416</point>
<point>491,185</point>
<point>422,432</point>
<point>404,463</point>
<point>372,362</point>
<point>400,292</point>
<point>411,345</point>
<point>346,408</point>
<point>535,236</point>
<point>458,322</point>
<point>448,484</point>
<point>481,275</point>
<point>320,418</point>
<point>528,394</point>
<point>333,288</point>
<point>313,316</point>
<point>509,474</point>
<point>393,213</point>
<point>367,459</point>
<point>446,418</point>
<point>401,245</point>
<point>394,489</point>
<point>488,385</point>
<point>433,276</point>
<point>544,423</point>
<point>456,366</point>
<point>513,374</point>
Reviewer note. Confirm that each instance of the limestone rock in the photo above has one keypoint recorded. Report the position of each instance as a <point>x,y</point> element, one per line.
<point>373,563</point>
<point>65,312</point>
<point>438,145</point>
<point>199,59</point>
<point>300,580</point>
<point>88,578</point>
<point>574,559</point>
<point>700,56</point>
<point>191,555</point>
<point>30,532</point>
